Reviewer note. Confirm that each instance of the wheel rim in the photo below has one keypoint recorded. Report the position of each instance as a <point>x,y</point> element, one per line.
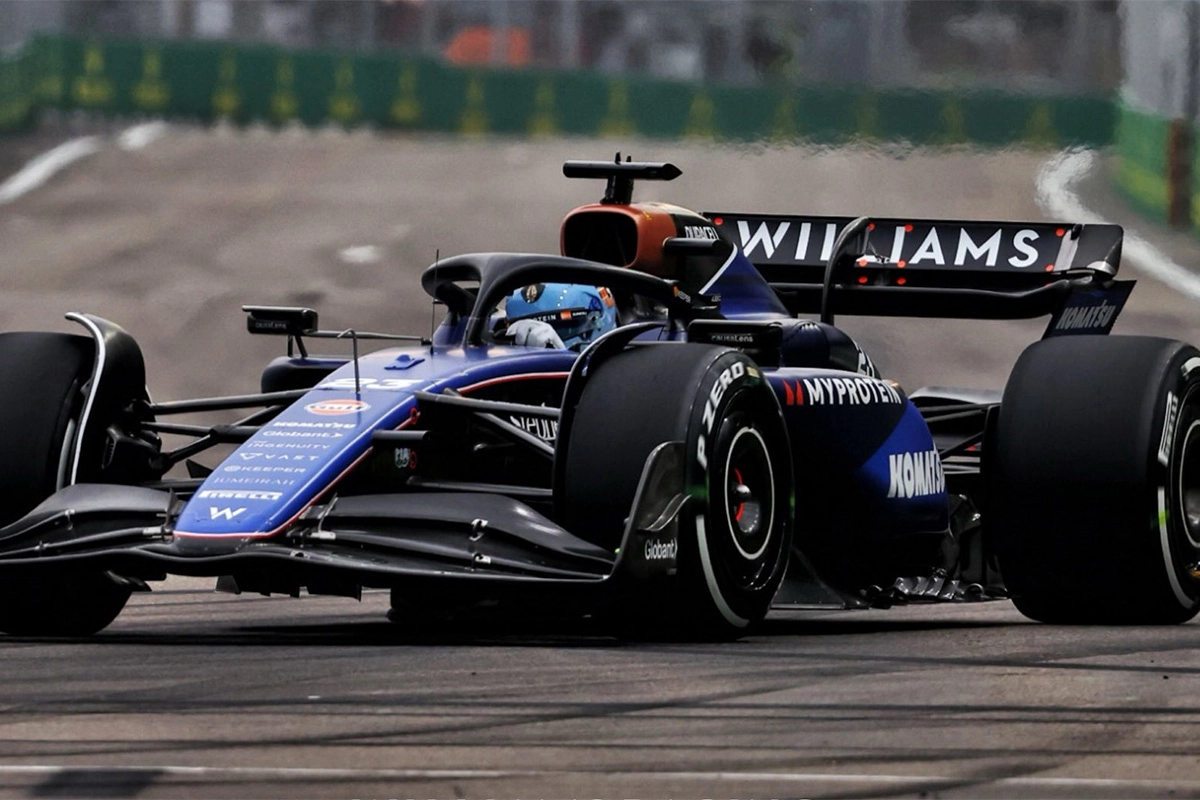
<point>748,511</point>
<point>749,494</point>
<point>1189,483</point>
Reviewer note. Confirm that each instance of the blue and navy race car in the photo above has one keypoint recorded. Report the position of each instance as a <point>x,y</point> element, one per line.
<point>643,430</point>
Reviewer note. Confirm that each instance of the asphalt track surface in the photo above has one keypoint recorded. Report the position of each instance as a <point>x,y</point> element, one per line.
<point>192,694</point>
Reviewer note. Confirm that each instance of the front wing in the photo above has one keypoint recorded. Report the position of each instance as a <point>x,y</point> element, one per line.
<point>376,540</point>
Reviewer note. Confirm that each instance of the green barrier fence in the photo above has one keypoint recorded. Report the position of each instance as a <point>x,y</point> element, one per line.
<point>1153,169</point>
<point>1143,147</point>
<point>207,81</point>
<point>244,84</point>
<point>16,93</point>
<point>1194,183</point>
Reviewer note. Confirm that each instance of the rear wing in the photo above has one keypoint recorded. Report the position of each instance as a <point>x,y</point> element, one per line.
<point>934,268</point>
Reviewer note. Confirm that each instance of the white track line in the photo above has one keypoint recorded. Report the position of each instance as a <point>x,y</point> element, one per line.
<point>44,167</point>
<point>137,137</point>
<point>1058,199</point>
<point>300,773</point>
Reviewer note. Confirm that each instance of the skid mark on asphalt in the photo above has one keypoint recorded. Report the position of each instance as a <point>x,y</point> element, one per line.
<point>99,782</point>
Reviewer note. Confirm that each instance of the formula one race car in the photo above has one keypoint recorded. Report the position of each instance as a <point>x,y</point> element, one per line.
<point>709,458</point>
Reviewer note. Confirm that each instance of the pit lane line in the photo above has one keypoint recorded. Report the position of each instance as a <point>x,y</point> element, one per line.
<point>1056,196</point>
<point>328,773</point>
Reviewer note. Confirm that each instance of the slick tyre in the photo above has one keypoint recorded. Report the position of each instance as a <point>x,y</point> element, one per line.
<point>1094,481</point>
<point>42,377</point>
<point>735,530</point>
<point>41,399</point>
<point>50,604</point>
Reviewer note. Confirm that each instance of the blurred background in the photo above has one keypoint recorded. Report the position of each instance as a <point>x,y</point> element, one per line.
<point>1039,46</point>
<point>917,71</point>
<point>992,72</point>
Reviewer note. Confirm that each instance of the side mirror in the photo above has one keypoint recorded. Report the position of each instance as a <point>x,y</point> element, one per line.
<point>281,320</point>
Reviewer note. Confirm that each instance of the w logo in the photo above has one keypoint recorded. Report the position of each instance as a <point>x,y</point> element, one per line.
<point>224,513</point>
<point>763,236</point>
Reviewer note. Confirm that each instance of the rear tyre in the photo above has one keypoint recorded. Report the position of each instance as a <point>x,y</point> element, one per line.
<point>735,531</point>
<point>1094,481</point>
<point>42,380</point>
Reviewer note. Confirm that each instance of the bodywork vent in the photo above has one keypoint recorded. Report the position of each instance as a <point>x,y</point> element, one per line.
<point>601,236</point>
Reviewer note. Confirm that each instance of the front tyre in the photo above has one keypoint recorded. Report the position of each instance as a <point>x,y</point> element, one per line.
<point>60,604</point>
<point>43,392</point>
<point>734,532</point>
<point>741,531</point>
<point>1094,480</point>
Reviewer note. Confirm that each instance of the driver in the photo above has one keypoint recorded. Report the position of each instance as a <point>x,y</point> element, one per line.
<point>563,315</point>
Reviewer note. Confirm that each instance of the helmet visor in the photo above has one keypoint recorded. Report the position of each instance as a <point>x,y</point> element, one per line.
<point>569,323</point>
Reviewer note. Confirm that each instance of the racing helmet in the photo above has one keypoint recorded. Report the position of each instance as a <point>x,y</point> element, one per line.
<point>578,313</point>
